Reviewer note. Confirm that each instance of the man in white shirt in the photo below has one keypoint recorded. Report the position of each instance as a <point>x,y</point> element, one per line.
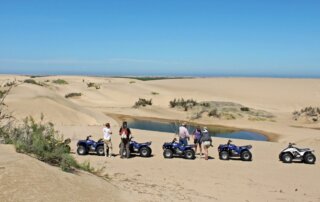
<point>183,134</point>
<point>107,140</point>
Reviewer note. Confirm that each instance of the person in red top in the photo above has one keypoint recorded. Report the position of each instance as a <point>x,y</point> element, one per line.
<point>125,135</point>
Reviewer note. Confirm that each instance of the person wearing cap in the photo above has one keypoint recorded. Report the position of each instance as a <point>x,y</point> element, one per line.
<point>125,135</point>
<point>206,141</point>
<point>107,140</point>
<point>183,134</point>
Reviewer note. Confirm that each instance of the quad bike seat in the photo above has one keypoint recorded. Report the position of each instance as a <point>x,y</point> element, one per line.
<point>303,149</point>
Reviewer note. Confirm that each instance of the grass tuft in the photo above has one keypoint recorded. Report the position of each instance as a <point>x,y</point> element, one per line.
<point>142,103</point>
<point>69,95</point>
<point>60,81</point>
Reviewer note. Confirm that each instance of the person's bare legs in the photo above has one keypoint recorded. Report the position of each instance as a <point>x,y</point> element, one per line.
<point>200,147</point>
<point>110,148</point>
<point>105,148</point>
<point>206,152</point>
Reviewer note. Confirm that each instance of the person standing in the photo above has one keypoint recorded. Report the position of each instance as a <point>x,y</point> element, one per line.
<point>183,134</point>
<point>107,140</point>
<point>206,141</point>
<point>197,135</point>
<point>125,135</point>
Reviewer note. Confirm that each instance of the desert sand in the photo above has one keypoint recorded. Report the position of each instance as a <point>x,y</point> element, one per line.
<point>156,178</point>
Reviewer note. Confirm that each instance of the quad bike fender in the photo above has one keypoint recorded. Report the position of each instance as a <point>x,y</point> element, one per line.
<point>223,149</point>
<point>82,143</point>
<point>307,152</point>
<point>167,146</point>
<point>243,150</point>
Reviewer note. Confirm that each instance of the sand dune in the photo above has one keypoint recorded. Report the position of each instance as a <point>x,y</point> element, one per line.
<point>157,179</point>
<point>26,179</point>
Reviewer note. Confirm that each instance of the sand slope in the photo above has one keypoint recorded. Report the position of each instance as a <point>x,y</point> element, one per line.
<point>157,179</point>
<point>26,179</point>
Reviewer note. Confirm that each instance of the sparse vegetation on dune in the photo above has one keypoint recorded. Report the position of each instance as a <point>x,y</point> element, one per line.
<point>154,93</point>
<point>214,113</point>
<point>60,81</point>
<point>43,142</point>
<point>311,114</point>
<point>142,103</point>
<point>5,117</point>
<point>39,140</point>
<point>93,85</point>
<point>219,110</point>
<point>32,81</point>
<point>150,78</point>
<point>69,95</point>
<point>10,83</point>
<point>2,93</point>
<point>185,104</point>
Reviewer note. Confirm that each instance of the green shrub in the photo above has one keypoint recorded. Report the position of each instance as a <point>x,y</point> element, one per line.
<point>244,109</point>
<point>227,116</point>
<point>9,84</point>
<point>86,166</point>
<point>32,81</point>
<point>142,102</point>
<point>2,93</point>
<point>205,104</point>
<point>214,113</point>
<point>44,143</point>
<point>72,95</point>
<point>131,82</point>
<point>185,104</point>
<point>60,81</point>
<point>91,84</point>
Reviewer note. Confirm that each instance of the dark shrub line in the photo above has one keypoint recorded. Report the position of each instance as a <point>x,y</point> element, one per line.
<point>69,95</point>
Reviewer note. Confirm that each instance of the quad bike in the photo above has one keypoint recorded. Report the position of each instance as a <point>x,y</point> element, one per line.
<point>293,153</point>
<point>227,151</point>
<point>90,146</point>
<point>138,148</point>
<point>174,148</point>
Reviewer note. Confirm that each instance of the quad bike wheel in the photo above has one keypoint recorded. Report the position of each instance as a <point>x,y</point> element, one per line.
<point>81,150</point>
<point>145,152</point>
<point>287,158</point>
<point>246,156</point>
<point>168,154</point>
<point>309,158</point>
<point>100,150</point>
<point>280,156</point>
<point>224,155</point>
<point>189,154</point>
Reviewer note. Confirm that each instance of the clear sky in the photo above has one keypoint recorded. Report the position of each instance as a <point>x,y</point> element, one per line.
<point>161,37</point>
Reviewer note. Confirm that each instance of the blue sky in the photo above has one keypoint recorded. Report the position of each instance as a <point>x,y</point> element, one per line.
<point>158,37</point>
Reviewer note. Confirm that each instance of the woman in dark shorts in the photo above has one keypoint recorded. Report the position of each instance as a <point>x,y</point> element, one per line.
<point>197,135</point>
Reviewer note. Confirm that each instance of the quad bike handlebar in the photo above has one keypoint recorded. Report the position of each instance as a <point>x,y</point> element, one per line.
<point>174,140</point>
<point>291,144</point>
<point>229,141</point>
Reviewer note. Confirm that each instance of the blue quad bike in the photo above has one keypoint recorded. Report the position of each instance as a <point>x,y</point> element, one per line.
<point>138,148</point>
<point>87,146</point>
<point>174,148</point>
<point>227,151</point>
